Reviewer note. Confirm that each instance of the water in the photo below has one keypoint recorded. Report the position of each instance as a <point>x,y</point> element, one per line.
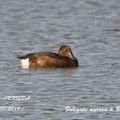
<point>91,28</point>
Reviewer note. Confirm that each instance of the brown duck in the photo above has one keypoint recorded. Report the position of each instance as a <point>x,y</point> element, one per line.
<point>63,59</point>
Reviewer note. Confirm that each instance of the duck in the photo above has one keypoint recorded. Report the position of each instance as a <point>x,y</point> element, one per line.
<point>63,59</point>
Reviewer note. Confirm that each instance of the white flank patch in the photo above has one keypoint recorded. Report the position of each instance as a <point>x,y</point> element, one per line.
<point>25,63</point>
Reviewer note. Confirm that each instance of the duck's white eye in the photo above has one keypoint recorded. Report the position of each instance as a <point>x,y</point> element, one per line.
<point>66,49</point>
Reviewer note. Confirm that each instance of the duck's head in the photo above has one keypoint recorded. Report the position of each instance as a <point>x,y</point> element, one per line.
<point>66,51</point>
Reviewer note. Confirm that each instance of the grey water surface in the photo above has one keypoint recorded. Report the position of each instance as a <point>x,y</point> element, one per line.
<point>91,28</point>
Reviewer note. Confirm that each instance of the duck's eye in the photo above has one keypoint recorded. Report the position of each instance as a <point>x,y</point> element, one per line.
<point>66,49</point>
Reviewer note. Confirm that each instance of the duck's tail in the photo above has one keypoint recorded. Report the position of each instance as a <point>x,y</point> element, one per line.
<point>20,55</point>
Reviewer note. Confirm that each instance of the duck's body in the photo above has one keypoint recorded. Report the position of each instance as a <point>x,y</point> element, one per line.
<point>64,58</point>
